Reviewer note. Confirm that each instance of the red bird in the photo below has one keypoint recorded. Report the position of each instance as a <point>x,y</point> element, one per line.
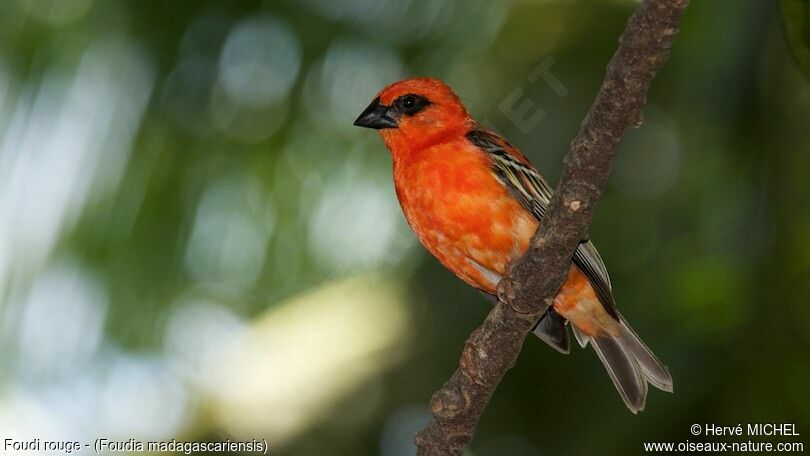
<point>474,202</point>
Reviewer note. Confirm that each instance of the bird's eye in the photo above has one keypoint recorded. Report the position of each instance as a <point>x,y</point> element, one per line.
<point>411,104</point>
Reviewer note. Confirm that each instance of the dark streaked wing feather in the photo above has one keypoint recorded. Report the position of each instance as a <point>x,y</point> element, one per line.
<point>590,263</point>
<point>533,192</point>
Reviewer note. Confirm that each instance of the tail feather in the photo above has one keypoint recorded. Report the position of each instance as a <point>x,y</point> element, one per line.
<point>551,330</point>
<point>623,370</point>
<point>654,371</point>
<point>630,364</point>
<point>582,339</point>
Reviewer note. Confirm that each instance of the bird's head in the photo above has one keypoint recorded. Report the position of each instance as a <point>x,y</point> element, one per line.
<point>416,112</point>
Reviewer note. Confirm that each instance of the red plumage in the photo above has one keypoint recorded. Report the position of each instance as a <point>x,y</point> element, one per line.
<point>474,202</point>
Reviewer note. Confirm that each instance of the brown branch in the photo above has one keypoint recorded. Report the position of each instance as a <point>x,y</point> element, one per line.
<point>533,281</point>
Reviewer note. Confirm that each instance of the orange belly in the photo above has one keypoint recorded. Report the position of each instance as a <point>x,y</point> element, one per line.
<point>461,214</point>
<point>474,227</point>
<point>578,303</point>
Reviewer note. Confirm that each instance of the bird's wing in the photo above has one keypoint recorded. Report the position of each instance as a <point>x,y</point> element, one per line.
<point>529,187</point>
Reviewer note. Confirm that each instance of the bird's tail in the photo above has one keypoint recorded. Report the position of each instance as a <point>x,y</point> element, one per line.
<point>630,364</point>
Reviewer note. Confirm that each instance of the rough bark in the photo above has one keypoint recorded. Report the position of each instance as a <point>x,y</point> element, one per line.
<point>533,281</point>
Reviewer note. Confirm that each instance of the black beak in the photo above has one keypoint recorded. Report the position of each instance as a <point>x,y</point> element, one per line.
<point>375,116</point>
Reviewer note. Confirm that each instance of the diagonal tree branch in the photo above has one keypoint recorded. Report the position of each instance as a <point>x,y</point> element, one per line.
<point>533,281</point>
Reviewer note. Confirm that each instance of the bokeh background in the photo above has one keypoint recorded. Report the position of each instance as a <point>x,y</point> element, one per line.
<point>196,243</point>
